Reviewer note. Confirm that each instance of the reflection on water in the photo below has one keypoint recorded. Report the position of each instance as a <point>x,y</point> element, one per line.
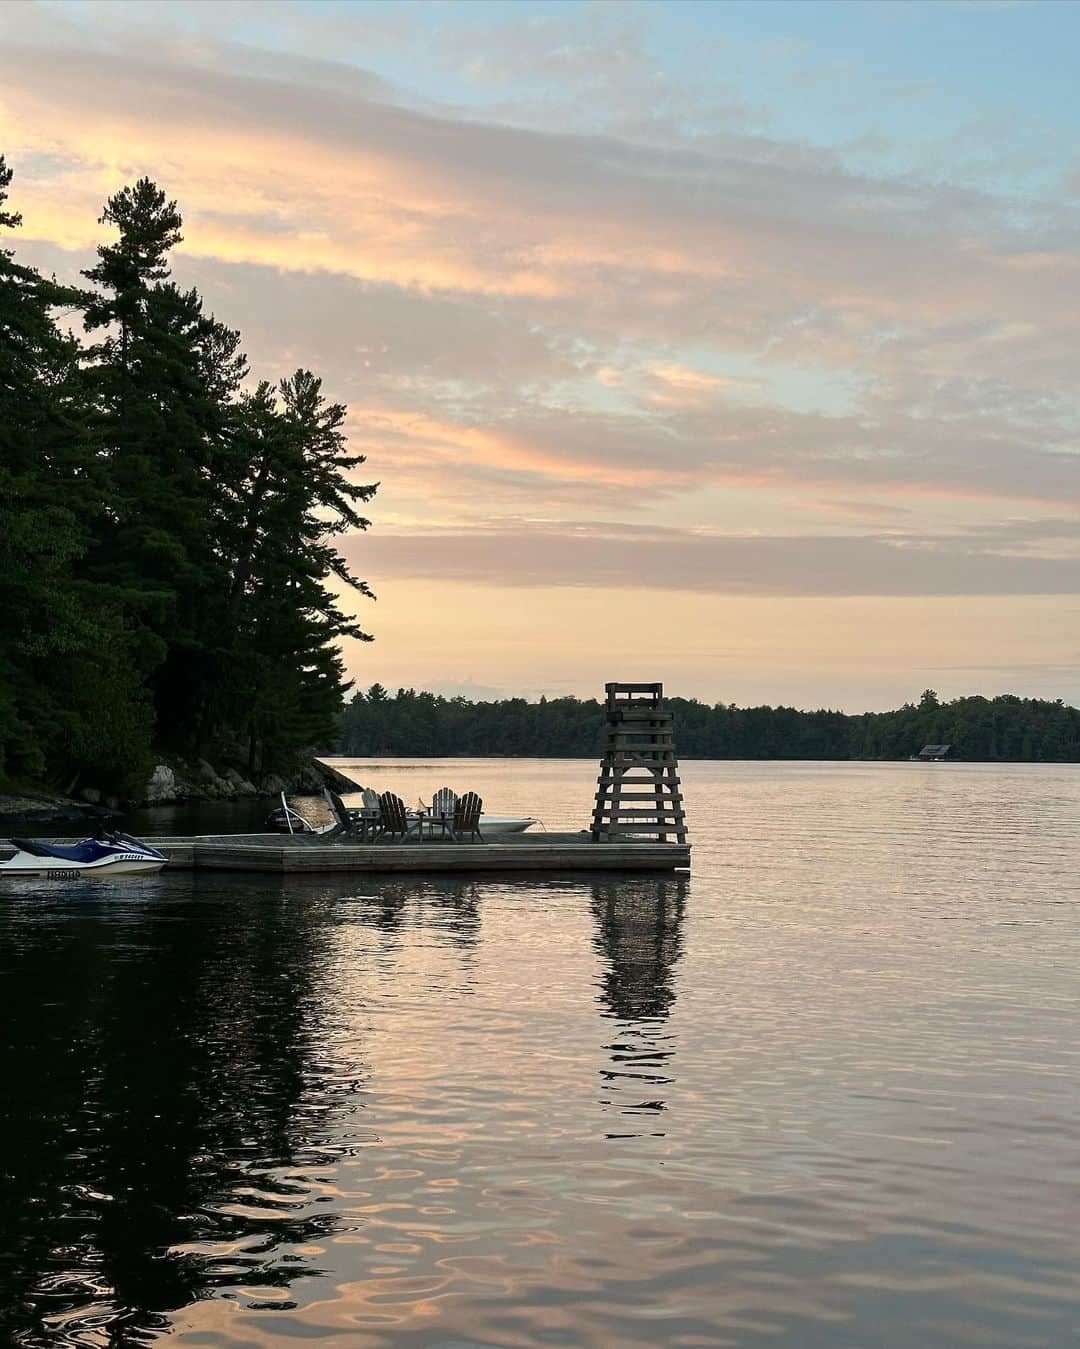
<point>163,1134</point>
<point>823,1093</point>
<point>196,1072</point>
<point>638,934</point>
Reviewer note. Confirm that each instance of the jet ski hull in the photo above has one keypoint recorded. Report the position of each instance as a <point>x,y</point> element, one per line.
<point>57,869</point>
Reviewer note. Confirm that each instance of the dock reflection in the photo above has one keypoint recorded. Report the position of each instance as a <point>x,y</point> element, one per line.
<point>638,935</point>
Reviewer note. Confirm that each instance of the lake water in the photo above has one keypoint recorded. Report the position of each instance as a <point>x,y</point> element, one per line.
<point>824,1092</point>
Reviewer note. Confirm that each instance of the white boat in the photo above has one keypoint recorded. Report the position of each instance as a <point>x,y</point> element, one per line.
<point>111,855</point>
<point>505,824</point>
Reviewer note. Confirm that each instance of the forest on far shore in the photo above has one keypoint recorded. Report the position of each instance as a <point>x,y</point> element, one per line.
<point>1006,728</point>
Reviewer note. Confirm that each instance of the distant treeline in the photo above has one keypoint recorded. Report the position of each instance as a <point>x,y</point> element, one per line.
<point>166,526</point>
<point>1004,728</point>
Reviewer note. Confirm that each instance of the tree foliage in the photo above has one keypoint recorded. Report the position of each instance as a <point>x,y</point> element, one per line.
<point>167,531</point>
<point>1005,728</point>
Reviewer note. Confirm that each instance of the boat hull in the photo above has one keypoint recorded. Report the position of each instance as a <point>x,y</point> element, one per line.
<point>504,824</point>
<point>59,869</point>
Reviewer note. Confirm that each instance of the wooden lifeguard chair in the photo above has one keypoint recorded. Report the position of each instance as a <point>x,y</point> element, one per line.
<point>638,793</point>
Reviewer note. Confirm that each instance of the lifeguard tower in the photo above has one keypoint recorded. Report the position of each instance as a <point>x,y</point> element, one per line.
<point>638,792</point>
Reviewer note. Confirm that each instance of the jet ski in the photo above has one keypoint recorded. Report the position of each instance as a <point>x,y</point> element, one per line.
<point>111,854</point>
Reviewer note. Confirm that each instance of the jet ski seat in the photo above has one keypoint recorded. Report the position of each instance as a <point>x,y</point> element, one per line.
<point>88,851</point>
<point>34,849</point>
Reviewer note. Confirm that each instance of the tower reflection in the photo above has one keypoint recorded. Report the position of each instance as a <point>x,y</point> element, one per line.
<point>639,938</point>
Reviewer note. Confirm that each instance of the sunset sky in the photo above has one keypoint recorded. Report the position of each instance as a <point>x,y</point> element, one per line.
<point>735,345</point>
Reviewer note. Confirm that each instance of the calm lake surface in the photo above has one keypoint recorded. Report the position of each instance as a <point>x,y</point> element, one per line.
<point>824,1092</point>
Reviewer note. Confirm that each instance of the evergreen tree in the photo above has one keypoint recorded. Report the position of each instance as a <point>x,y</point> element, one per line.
<point>293,496</point>
<point>70,682</point>
<point>163,379</point>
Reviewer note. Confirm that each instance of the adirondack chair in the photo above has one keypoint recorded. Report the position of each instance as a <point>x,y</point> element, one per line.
<point>345,824</point>
<point>467,817</point>
<point>393,822</point>
<point>368,816</point>
<point>441,815</point>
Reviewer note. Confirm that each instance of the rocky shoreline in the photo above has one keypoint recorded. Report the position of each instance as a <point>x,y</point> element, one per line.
<point>35,809</point>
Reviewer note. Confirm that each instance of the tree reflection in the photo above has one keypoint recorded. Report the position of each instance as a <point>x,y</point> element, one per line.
<point>639,938</point>
<point>161,1121</point>
<point>181,1076</point>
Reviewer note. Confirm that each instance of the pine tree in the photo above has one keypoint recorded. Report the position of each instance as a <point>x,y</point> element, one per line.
<point>283,619</point>
<point>163,379</point>
<point>70,683</point>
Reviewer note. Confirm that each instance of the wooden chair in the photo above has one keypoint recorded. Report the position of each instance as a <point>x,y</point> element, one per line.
<point>362,823</point>
<point>344,821</point>
<point>467,817</point>
<point>393,821</point>
<point>368,813</point>
<point>441,817</point>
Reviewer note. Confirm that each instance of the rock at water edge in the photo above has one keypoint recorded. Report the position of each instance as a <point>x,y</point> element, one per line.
<point>162,786</point>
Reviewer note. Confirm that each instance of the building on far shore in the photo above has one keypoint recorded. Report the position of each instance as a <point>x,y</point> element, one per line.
<point>931,753</point>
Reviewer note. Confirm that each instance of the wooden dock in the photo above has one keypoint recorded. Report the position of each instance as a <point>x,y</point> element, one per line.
<point>280,853</point>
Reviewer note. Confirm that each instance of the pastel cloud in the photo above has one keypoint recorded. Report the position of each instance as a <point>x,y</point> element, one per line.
<point>617,317</point>
<point>322,176</point>
<point>598,554</point>
<point>680,448</point>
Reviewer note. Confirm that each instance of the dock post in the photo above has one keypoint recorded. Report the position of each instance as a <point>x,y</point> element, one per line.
<point>638,791</point>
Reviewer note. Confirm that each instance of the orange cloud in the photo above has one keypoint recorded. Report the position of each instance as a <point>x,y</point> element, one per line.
<point>426,435</point>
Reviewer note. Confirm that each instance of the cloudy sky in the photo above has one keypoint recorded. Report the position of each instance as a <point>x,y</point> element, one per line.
<point>729,344</point>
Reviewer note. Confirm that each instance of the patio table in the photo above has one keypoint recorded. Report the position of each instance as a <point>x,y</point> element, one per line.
<point>426,818</point>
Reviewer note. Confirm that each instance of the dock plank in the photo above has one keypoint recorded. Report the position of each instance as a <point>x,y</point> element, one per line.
<point>275,853</point>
